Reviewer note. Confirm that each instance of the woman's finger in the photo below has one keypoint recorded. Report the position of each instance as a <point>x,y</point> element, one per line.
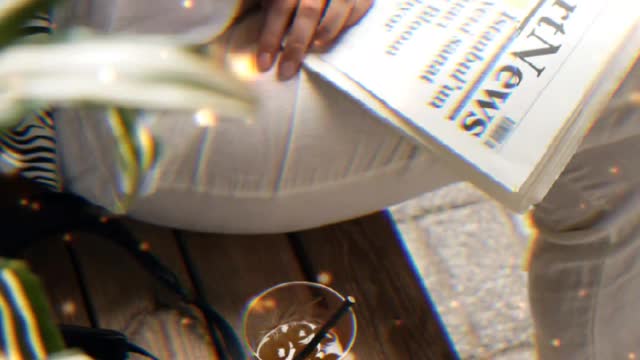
<point>333,22</point>
<point>304,26</point>
<point>278,17</point>
<point>360,9</point>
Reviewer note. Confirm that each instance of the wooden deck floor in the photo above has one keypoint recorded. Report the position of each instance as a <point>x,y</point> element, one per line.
<point>362,258</point>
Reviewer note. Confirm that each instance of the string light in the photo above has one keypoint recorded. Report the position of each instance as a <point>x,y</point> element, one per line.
<point>614,170</point>
<point>68,308</point>
<point>145,246</point>
<point>324,278</point>
<point>244,66</point>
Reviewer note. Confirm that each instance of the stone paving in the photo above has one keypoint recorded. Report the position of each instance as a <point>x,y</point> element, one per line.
<point>471,255</point>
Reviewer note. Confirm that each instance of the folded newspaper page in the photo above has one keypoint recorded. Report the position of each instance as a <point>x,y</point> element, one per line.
<point>496,87</point>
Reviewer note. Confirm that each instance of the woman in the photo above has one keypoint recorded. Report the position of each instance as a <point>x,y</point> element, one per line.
<point>315,157</point>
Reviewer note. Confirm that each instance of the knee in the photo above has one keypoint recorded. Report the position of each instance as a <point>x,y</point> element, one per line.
<point>566,208</point>
<point>585,192</point>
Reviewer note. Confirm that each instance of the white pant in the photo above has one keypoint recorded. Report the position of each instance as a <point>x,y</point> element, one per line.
<point>584,278</point>
<point>315,157</point>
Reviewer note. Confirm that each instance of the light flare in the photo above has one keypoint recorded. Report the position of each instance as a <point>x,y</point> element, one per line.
<point>263,305</point>
<point>68,308</point>
<point>244,66</point>
<point>206,118</point>
<point>145,246</point>
<point>325,278</point>
<point>145,139</point>
<point>526,227</point>
<point>614,170</point>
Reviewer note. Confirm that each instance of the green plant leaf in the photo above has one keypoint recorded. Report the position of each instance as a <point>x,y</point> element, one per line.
<point>120,72</point>
<point>132,72</point>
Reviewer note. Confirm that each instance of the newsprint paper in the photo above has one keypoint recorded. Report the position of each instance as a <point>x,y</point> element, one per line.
<point>503,90</point>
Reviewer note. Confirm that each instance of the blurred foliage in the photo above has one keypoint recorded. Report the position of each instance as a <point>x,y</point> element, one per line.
<point>124,73</point>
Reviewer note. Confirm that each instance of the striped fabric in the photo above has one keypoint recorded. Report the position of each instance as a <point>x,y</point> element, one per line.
<point>30,147</point>
<point>27,330</point>
<point>40,24</point>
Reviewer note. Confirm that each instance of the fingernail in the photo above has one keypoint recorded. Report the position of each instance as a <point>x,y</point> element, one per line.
<point>287,70</point>
<point>317,44</point>
<point>265,60</point>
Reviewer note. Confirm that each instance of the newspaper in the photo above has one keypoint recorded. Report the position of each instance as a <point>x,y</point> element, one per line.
<point>493,85</point>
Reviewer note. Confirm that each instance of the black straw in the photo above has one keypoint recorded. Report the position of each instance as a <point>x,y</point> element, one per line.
<point>324,330</point>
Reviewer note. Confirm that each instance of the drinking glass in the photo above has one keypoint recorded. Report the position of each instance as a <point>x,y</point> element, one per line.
<point>282,322</point>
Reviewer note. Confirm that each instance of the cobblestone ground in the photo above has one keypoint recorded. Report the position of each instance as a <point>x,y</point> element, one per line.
<point>471,255</point>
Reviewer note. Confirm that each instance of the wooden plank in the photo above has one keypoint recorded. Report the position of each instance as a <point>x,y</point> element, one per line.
<point>365,258</point>
<point>236,268</point>
<point>128,299</point>
<point>51,262</point>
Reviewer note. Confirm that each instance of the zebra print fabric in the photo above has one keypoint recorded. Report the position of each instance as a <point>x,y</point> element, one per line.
<point>29,149</point>
<point>40,24</point>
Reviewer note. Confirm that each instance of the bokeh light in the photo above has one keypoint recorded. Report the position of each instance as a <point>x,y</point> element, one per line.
<point>206,118</point>
<point>325,278</point>
<point>526,227</point>
<point>243,65</point>
<point>68,308</point>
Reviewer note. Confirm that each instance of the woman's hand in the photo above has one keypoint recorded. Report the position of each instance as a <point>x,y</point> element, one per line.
<point>305,24</point>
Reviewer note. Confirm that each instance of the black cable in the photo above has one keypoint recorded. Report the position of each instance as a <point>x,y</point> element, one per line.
<point>60,213</point>
<point>217,324</point>
<point>84,289</point>
<point>197,285</point>
<point>133,348</point>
